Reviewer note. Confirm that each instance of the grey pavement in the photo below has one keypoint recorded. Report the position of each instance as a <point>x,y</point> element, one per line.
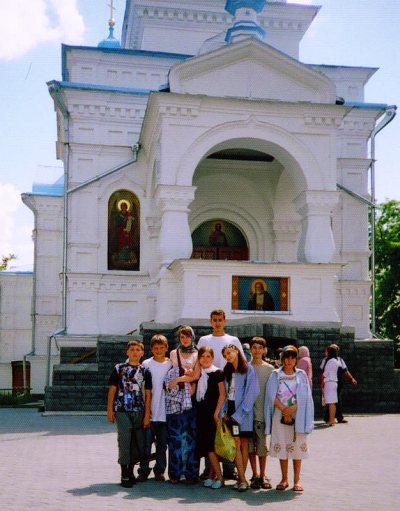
<point>62,463</point>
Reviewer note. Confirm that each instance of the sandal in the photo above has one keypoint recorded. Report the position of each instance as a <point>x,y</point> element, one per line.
<point>265,483</point>
<point>298,487</point>
<point>255,483</point>
<point>282,486</point>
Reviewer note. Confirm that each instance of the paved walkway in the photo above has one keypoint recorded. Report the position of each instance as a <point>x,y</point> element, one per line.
<point>62,463</point>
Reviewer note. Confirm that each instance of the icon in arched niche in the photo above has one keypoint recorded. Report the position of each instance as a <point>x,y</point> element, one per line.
<point>123,231</point>
<point>219,239</point>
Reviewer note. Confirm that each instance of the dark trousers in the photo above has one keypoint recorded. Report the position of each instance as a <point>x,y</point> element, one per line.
<point>131,438</point>
<point>157,433</point>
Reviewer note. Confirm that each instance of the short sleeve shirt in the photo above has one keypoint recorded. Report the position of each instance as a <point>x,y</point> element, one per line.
<point>287,389</point>
<point>130,381</point>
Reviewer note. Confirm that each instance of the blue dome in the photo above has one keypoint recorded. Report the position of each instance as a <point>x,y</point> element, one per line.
<point>111,41</point>
<point>233,5</point>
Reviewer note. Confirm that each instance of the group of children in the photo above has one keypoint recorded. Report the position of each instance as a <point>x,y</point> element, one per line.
<point>176,404</point>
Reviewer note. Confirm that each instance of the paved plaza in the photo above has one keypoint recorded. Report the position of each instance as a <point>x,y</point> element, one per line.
<point>59,463</point>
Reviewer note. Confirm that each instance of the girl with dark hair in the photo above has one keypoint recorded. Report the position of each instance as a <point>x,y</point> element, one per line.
<point>289,416</point>
<point>242,390</point>
<point>210,396</point>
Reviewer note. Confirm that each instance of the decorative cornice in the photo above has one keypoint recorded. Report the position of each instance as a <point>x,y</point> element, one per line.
<point>107,112</point>
<point>286,231</point>
<point>358,126</point>
<point>153,226</point>
<point>183,14</point>
<point>179,111</point>
<point>328,121</point>
<point>354,288</point>
<point>174,198</point>
<point>317,202</point>
<point>107,283</point>
<point>353,163</point>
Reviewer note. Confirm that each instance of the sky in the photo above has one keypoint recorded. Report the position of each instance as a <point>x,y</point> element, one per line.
<point>345,32</point>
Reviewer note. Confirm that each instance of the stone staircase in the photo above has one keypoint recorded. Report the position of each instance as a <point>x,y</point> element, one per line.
<point>80,381</point>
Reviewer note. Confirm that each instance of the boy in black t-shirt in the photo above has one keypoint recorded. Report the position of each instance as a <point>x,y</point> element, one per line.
<point>128,404</point>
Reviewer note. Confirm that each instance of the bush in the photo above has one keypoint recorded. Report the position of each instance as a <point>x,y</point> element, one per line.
<point>8,399</point>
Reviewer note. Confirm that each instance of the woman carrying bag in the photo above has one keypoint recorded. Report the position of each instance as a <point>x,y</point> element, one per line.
<point>289,416</point>
<point>242,390</point>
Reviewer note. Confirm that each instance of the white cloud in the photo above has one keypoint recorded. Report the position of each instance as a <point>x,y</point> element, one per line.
<point>15,234</point>
<point>32,22</point>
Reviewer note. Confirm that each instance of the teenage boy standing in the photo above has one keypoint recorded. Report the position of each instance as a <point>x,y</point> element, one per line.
<point>258,444</point>
<point>158,365</point>
<point>219,339</point>
<point>128,404</point>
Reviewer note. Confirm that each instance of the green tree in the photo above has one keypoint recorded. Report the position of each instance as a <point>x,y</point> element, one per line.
<point>387,267</point>
<point>5,260</point>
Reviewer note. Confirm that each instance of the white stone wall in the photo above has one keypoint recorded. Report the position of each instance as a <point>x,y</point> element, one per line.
<point>15,321</point>
<point>183,27</point>
<point>247,96</point>
<point>48,212</point>
<point>202,286</point>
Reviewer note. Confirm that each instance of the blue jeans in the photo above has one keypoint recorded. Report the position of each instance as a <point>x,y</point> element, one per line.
<point>182,456</point>
<point>156,433</point>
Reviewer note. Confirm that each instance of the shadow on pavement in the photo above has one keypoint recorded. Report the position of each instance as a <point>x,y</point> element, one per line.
<point>185,495</point>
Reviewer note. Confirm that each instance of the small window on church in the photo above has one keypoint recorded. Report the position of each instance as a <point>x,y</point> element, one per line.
<point>123,231</point>
<point>219,239</point>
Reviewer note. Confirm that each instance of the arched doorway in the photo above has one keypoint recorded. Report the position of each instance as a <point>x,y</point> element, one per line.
<point>219,239</point>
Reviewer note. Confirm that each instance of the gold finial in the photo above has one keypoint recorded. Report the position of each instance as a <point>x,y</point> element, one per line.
<point>111,21</point>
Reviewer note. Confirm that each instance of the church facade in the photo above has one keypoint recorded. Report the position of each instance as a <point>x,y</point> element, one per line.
<point>205,166</point>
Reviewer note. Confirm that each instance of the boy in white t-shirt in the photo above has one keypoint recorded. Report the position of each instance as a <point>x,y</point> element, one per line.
<point>219,339</point>
<point>158,365</point>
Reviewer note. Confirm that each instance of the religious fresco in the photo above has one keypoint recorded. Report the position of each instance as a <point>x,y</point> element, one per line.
<point>219,239</point>
<point>261,294</point>
<point>123,231</point>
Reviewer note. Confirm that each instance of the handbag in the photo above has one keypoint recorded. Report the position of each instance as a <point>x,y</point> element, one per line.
<point>287,423</point>
<point>224,444</point>
<point>291,423</point>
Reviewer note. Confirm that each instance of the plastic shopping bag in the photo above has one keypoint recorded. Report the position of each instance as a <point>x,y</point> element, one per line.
<point>225,445</point>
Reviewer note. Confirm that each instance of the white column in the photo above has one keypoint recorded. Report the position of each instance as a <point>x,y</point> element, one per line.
<point>317,243</point>
<point>286,235</point>
<point>175,240</point>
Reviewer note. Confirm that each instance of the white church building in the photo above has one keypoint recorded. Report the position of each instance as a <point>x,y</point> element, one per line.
<point>205,167</point>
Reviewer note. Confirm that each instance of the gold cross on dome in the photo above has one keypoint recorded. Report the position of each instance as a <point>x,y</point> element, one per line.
<point>112,9</point>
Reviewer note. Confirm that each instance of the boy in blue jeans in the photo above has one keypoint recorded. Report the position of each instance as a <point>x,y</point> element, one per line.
<point>158,365</point>
<point>128,404</point>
